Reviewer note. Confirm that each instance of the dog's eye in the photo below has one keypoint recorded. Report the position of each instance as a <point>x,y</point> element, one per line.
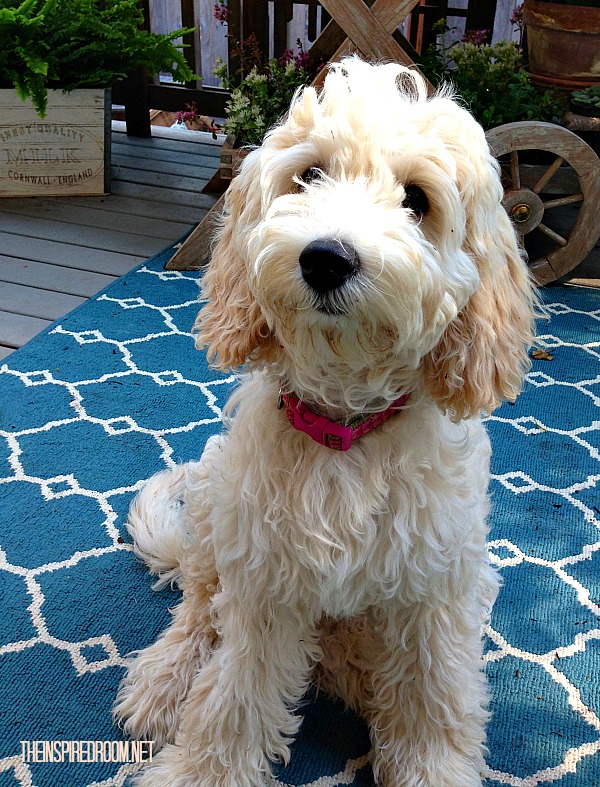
<point>310,174</point>
<point>415,200</point>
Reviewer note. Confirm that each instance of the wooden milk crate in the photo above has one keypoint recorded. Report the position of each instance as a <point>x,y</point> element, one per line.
<point>65,154</point>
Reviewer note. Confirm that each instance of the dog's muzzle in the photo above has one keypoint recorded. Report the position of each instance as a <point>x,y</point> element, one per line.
<point>327,264</point>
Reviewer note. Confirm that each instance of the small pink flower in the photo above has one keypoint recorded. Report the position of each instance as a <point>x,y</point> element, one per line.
<point>517,15</point>
<point>221,12</point>
<point>251,41</point>
<point>190,113</point>
<point>477,37</point>
<point>302,59</point>
<point>286,57</point>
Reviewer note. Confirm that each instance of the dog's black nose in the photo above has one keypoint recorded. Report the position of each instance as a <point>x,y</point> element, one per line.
<point>327,263</point>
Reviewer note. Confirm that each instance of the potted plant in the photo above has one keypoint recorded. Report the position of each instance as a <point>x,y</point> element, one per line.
<point>66,53</point>
<point>586,102</point>
<point>563,41</point>
<point>259,100</point>
<point>584,115</point>
<point>490,78</point>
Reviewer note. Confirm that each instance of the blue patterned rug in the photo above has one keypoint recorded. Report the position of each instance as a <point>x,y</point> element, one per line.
<point>116,391</point>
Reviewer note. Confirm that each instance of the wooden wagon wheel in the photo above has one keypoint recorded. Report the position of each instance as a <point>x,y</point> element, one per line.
<point>529,194</point>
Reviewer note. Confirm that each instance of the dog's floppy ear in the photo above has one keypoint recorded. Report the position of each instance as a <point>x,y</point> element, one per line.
<point>231,325</point>
<point>482,357</point>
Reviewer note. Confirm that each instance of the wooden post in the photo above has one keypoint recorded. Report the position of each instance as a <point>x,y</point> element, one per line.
<point>234,32</point>
<point>429,16</point>
<point>188,19</point>
<point>283,13</point>
<point>255,19</point>
<point>135,98</point>
<point>312,20</point>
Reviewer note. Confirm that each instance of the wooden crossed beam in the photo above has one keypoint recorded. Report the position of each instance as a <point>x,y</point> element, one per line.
<point>369,32</point>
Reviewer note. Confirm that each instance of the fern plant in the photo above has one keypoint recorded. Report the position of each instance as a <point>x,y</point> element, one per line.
<point>68,44</point>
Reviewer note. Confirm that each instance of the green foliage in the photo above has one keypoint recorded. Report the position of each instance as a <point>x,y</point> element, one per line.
<point>497,91</point>
<point>490,80</point>
<point>70,44</point>
<point>588,97</point>
<point>261,99</point>
<point>262,92</point>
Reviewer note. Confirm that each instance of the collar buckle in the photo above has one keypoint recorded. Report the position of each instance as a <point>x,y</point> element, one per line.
<point>335,436</point>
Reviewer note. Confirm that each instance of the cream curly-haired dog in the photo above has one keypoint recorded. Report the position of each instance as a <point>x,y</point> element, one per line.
<point>368,277</point>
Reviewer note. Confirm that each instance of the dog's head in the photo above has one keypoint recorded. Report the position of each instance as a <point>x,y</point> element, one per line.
<point>365,252</point>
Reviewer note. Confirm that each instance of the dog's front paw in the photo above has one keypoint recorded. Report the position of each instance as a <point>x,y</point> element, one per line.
<point>147,704</point>
<point>158,679</point>
<point>180,766</point>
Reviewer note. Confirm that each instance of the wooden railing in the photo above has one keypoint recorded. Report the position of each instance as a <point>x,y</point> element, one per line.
<point>279,23</point>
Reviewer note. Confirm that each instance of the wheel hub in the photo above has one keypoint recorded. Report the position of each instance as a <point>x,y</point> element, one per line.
<point>525,209</point>
<point>521,213</point>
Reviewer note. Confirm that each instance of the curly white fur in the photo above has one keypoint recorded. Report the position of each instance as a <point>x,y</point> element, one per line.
<point>365,570</point>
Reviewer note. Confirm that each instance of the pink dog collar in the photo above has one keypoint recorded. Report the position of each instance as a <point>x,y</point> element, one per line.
<point>331,434</point>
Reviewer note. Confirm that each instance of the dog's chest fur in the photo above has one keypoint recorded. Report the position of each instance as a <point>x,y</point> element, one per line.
<point>401,515</point>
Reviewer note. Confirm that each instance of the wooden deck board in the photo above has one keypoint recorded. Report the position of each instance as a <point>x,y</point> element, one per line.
<point>17,329</point>
<point>67,254</point>
<point>57,252</point>
<point>151,164</point>
<point>164,194</point>
<point>85,216</point>
<point>87,237</point>
<point>164,180</point>
<point>150,209</point>
<point>212,148</point>
<point>35,302</point>
<point>175,156</point>
<point>52,277</point>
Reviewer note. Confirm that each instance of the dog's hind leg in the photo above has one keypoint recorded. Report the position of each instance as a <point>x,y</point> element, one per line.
<point>159,521</point>
<point>177,547</point>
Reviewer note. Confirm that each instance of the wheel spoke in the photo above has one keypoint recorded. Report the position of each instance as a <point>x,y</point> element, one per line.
<point>515,175</point>
<point>551,234</point>
<point>547,174</point>
<point>556,203</point>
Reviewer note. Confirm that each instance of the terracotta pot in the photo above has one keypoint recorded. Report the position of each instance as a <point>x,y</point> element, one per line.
<point>563,43</point>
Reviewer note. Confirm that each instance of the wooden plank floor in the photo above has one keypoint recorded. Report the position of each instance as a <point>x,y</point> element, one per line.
<point>57,252</point>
